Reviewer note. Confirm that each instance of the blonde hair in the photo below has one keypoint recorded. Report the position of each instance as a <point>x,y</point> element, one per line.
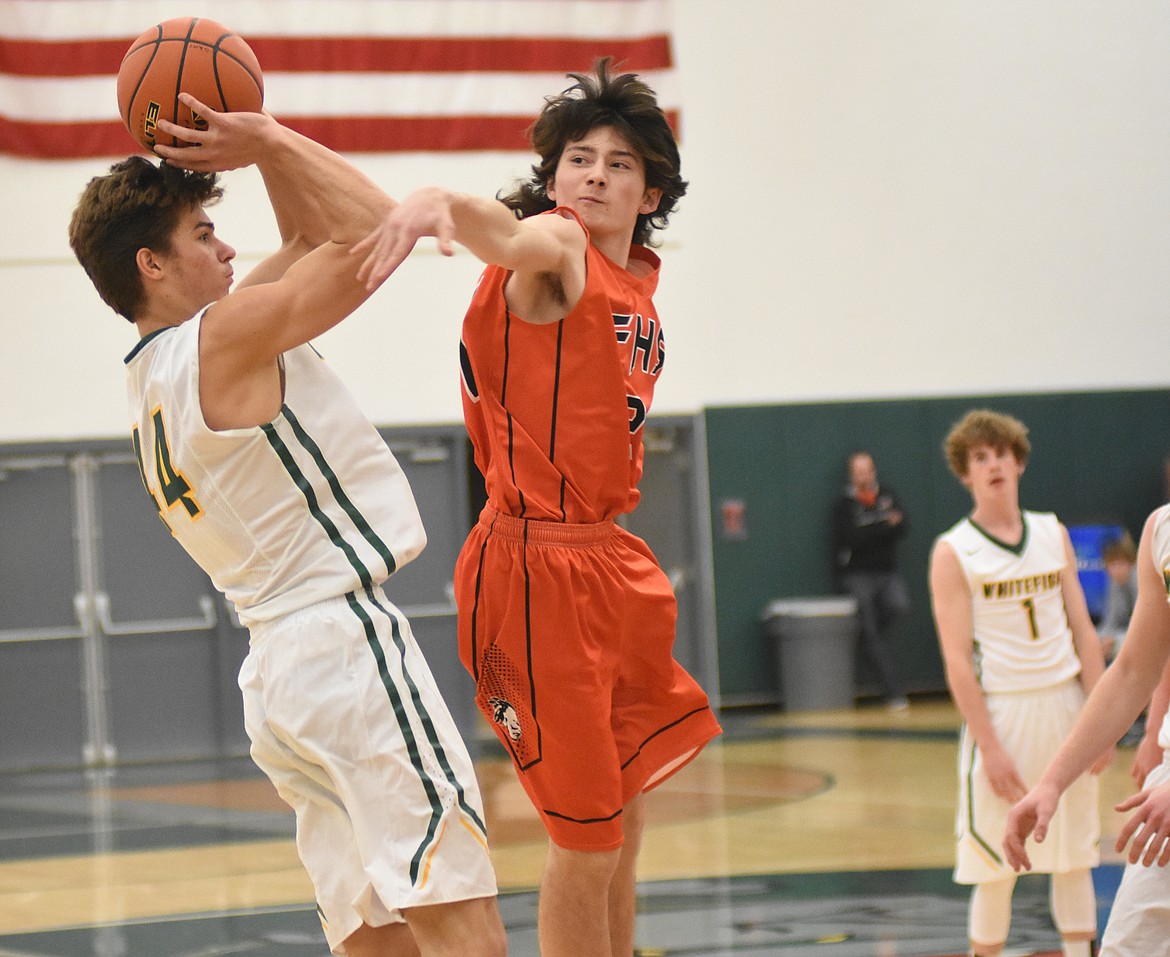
<point>982,427</point>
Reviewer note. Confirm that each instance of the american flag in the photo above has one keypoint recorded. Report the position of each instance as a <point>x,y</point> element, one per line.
<point>357,75</point>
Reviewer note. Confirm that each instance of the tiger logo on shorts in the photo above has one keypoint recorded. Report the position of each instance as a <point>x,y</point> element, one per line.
<point>502,696</point>
<point>504,714</point>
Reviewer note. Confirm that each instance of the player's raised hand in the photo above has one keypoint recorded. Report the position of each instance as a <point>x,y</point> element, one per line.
<point>1149,827</point>
<point>1030,816</point>
<point>425,212</point>
<point>230,141</point>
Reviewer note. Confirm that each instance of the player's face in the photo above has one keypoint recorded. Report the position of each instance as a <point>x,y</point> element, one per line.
<point>200,261</point>
<point>992,472</point>
<point>603,181</point>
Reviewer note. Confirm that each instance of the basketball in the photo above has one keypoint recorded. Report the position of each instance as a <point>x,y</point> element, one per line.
<point>185,55</point>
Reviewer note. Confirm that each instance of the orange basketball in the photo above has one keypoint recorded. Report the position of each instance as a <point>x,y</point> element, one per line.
<point>185,55</point>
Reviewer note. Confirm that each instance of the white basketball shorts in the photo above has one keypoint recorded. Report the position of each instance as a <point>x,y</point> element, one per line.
<point>346,721</point>
<point>1031,726</point>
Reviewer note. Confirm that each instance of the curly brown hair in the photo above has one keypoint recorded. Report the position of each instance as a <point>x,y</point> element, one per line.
<point>137,205</point>
<point>983,427</point>
<point>630,107</point>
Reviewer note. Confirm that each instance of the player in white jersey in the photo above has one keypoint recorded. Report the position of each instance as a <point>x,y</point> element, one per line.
<point>1020,653</point>
<point>1139,921</point>
<point>269,475</point>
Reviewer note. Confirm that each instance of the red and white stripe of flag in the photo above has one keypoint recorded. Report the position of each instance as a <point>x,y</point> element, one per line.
<point>358,75</point>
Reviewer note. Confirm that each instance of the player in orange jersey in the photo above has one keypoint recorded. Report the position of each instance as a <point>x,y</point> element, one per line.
<point>566,620</point>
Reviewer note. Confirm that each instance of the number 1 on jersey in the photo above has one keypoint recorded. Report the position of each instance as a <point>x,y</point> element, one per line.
<point>1030,608</point>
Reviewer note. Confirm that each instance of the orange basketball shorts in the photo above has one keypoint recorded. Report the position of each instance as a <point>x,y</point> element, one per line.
<point>568,631</point>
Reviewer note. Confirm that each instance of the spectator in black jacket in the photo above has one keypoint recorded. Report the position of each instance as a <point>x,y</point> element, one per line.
<point>868,524</point>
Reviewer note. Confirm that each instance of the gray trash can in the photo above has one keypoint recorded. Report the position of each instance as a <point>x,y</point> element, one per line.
<point>814,640</point>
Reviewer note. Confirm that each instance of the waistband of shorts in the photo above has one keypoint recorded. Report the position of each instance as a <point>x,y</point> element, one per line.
<point>1060,687</point>
<point>539,532</point>
<point>259,630</point>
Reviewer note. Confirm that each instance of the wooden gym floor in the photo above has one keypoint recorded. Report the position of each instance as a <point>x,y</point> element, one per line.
<point>823,833</point>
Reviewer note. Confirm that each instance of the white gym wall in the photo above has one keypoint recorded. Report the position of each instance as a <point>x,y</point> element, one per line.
<point>888,198</point>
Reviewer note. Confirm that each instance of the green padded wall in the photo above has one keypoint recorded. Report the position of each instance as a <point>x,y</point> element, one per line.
<point>776,470</point>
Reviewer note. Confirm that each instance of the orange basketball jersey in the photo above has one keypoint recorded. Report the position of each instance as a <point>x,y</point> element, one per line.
<point>555,412</point>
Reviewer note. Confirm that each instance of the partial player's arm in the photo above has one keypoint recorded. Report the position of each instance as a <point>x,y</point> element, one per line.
<point>323,207</point>
<point>317,197</point>
<point>545,254</point>
<point>1116,701</point>
<point>1086,642</point>
<point>953,618</point>
<point>1148,754</point>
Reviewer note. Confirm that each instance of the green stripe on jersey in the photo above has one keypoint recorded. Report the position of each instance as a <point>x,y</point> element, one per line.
<point>306,487</point>
<point>359,520</point>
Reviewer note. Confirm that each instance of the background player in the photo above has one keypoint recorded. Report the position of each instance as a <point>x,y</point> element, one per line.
<point>1139,921</point>
<point>268,474</point>
<point>1020,654</point>
<point>566,620</point>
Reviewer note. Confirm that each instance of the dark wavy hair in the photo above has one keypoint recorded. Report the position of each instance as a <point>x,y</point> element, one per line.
<point>627,105</point>
<point>137,205</point>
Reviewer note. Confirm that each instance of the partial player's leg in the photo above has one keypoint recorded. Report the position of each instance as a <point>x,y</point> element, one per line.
<point>1074,911</point>
<point>623,892</point>
<point>990,917</point>
<point>462,929</point>
<point>573,917</point>
<point>469,928</point>
<point>588,899</point>
<point>390,940</point>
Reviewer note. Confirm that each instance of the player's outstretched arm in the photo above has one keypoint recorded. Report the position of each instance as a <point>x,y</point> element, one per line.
<point>425,212</point>
<point>537,245</point>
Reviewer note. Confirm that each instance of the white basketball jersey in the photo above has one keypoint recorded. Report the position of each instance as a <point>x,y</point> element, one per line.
<point>1022,638</point>
<point>311,506</point>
